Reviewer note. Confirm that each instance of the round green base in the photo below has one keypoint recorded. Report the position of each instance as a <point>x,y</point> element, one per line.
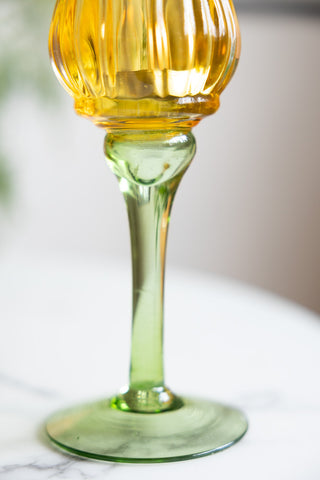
<point>99,431</point>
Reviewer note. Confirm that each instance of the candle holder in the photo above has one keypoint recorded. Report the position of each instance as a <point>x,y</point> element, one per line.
<point>146,71</point>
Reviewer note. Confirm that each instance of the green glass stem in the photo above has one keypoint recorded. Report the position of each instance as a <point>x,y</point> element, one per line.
<point>146,422</point>
<point>149,167</point>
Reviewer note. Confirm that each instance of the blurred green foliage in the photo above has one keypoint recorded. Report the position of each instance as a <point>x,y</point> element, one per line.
<point>5,182</point>
<point>23,36</point>
<point>24,63</point>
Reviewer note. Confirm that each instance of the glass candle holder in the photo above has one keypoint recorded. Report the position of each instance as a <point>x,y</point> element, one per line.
<point>146,71</point>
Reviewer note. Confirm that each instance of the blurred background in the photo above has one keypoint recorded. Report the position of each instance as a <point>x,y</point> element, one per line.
<point>248,207</point>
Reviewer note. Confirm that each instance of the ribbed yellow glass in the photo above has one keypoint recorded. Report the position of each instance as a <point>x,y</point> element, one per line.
<point>144,63</point>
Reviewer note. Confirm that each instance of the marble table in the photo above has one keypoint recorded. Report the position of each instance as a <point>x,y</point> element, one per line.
<point>65,332</point>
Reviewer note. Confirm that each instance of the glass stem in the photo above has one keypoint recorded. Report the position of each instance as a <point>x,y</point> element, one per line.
<point>149,168</point>
<point>148,212</point>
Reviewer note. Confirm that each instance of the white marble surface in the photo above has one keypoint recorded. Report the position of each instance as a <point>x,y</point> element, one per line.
<point>65,332</point>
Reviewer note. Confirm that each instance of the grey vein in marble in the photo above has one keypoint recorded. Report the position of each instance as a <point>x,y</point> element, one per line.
<point>66,468</point>
<point>22,385</point>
